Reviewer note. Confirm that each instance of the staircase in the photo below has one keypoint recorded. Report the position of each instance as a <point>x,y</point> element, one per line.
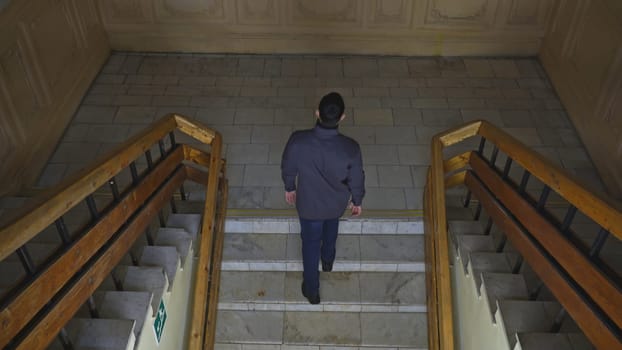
<point>375,296</point>
<point>500,302</point>
<point>123,314</point>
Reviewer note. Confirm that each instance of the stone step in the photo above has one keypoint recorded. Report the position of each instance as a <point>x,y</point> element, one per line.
<point>100,334</point>
<point>552,341</point>
<point>162,256</point>
<point>465,227</point>
<point>189,222</point>
<point>502,286</point>
<point>296,328</point>
<point>352,289</point>
<point>146,279</point>
<point>346,226</point>
<point>250,247</point>
<point>490,262</point>
<point>521,316</point>
<point>251,346</point>
<point>125,305</point>
<point>178,238</point>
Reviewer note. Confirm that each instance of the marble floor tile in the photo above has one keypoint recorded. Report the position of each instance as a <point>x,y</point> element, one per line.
<point>247,326</point>
<point>396,288</point>
<point>335,287</point>
<point>405,329</point>
<point>244,246</point>
<point>322,327</point>
<point>347,247</point>
<point>392,248</point>
<point>237,286</point>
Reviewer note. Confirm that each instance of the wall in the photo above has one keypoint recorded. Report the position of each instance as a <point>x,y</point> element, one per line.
<point>50,51</point>
<point>582,53</point>
<point>386,27</point>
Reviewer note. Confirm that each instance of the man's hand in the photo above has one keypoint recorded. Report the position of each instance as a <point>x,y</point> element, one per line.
<point>356,210</point>
<point>290,197</point>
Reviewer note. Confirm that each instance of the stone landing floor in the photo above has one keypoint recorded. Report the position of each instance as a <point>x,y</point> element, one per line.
<point>394,106</point>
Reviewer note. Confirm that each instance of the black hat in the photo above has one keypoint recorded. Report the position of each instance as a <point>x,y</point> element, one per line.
<point>331,109</point>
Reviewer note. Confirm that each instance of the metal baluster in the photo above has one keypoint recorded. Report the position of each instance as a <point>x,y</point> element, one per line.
<point>182,192</point>
<point>599,242</point>
<point>92,307</point>
<point>565,228</point>
<point>62,230</point>
<point>478,212</point>
<point>118,284</point>
<point>171,136</point>
<point>536,292</point>
<point>173,206</point>
<point>467,200</point>
<point>543,197</point>
<point>115,189</point>
<point>482,144</point>
<point>493,156</point>
<point>149,236</point>
<point>161,218</point>
<point>162,150</point>
<point>90,202</point>
<point>506,168</point>
<point>518,265</point>
<point>134,173</point>
<point>488,227</point>
<point>26,260</point>
<point>149,159</point>
<point>502,244</point>
<point>64,339</point>
<point>523,181</point>
<point>559,319</point>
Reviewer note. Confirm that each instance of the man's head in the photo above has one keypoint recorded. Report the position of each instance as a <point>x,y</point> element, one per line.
<point>331,110</point>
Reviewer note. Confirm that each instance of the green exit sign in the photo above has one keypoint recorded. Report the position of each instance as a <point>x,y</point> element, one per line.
<point>160,320</point>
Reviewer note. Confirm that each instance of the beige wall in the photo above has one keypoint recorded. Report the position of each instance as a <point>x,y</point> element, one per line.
<point>50,51</point>
<point>404,27</point>
<point>582,53</point>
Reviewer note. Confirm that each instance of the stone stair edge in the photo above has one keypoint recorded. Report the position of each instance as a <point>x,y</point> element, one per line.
<point>326,306</point>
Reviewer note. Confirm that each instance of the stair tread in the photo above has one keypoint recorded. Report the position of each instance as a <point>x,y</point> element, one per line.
<point>126,305</point>
<point>150,279</point>
<point>283,247</point>
<point>178,238</point>
<point>503,286</point>
<point>189,222</point>
<point>101,333</point>
<point>465,227</point>
<point>521,316</point>
<point>490,262</point>
<point>335,287</point>
<point>163,256</point>
<point>346,226</point>
<point>550,341</point>
<point>340,329</point>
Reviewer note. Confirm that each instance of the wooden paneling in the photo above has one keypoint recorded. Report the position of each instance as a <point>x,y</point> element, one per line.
<point>404,27</point>
<point>50,51</point>
<point>582,53</point>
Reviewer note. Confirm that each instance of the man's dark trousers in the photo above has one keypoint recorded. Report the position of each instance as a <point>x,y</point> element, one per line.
<point>319,238</point>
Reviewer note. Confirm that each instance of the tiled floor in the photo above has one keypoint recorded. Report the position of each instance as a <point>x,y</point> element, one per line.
<point>394,106</point>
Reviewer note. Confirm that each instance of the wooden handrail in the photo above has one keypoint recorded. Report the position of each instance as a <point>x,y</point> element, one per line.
<point>170,172</point>
<point>568,296</point>
<point>440,314</point>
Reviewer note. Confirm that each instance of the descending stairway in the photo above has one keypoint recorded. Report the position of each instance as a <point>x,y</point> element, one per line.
<point>375,296</point>
<point>499,305</point>
<point>125,316</point>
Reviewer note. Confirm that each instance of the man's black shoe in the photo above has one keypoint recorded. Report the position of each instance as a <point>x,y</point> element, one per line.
<point>327,266</point>
<point>314,299</point>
